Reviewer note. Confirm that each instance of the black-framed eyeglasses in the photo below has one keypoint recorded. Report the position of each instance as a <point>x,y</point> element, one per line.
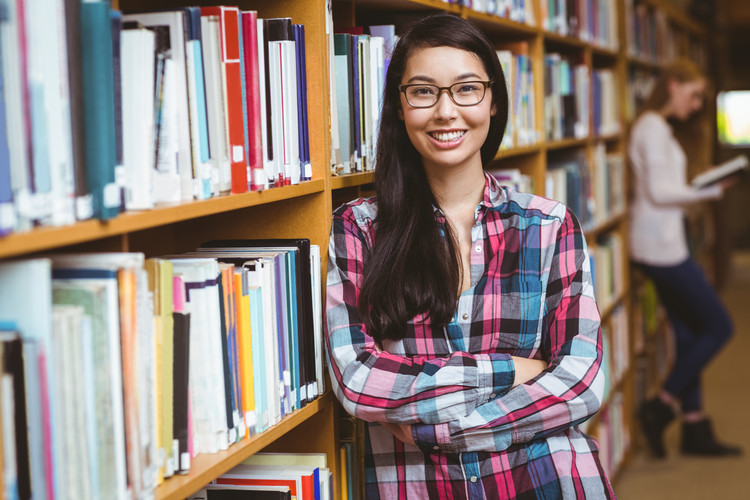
<point>423,95</point>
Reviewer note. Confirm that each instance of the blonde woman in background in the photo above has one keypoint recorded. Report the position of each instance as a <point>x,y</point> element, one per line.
<point>658,245</point>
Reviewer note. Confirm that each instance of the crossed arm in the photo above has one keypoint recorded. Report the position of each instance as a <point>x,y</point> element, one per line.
<point>463,401</point>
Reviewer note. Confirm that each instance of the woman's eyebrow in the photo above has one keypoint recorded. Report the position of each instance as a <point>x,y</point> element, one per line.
<point>462,76</point>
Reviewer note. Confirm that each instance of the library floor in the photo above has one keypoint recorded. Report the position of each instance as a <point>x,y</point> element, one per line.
<point>727,400</point>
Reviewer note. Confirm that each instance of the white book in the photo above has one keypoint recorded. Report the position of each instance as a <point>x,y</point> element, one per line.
<point>290,114</point>
<point>277,110</point>
<point>201,165</point>
<point>317,303</point>
<point>137,59</point>
<point>343,84</point>
<point>177,29</point>
<point>15,117</point>
<point>377,64</point>
<point>167,181</point>
<point>366,81</point>
<point>221,179</point>
<point>336,161</point>
<point>721,171</point>
<point>7,422</point>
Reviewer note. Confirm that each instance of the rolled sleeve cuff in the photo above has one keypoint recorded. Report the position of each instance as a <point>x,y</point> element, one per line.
<point>496,376</point>
<point>432,438</point>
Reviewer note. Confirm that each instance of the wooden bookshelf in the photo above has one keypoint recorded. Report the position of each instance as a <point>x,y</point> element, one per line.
<point>205,468</point>
<point>304,210</point>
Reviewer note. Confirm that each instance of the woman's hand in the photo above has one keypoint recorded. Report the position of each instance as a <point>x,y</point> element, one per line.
<point>526,369</point>
<point>401,431</point>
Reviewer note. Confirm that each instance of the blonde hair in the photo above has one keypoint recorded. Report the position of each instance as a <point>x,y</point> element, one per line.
<point>692,133</point>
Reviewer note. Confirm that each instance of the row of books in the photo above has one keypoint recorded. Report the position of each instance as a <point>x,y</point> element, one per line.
<point>514,178</point>
<point>358,65</point>
<point>615,335</point>
<point>132,366</point>
<point>568,180</point>
<point>519,76</point>
<point>613,434</point>
<point>605,114</point>
<point>145,108</point>
<point>273,476</point>
<point>607,268</point>
<point>652,37</point>
<point>567,84</point>
<point>521,11</point>
<point>608,184</point>
<point>593,21</point>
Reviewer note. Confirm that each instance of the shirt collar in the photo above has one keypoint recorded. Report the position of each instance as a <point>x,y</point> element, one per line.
<point>493,196</point>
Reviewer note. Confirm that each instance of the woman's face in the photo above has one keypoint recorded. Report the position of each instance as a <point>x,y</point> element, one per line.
<point>446,135</point>
<point>686,98</point>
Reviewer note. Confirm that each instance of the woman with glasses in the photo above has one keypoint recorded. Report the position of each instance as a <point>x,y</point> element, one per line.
<point>461,323</point>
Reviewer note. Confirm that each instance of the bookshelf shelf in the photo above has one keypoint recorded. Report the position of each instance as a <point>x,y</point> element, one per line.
<point>607,309</point>
<point>605,53</point>
<point>47,238</point>
<point>205,468</point>
<point>406,5</point>
<point>605,226</point>
<point>492,23</point>
<point>520,151</point>
<point>351,180</point>
<point>642,62</point>
<point>565,144</point>
<point>557,41</point>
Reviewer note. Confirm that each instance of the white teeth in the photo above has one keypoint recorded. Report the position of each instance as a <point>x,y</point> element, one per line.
<point>447,136</point>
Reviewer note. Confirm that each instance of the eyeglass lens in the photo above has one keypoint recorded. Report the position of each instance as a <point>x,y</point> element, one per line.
<point>462,93</point>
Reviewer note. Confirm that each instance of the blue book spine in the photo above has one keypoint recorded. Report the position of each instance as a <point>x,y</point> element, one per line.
<point>283,347</point>
<point>303,129</point>
<point>99,107</point>
<point>291,294</point>
<point>259,348</point>
<point>7,212</point>
<point>356,108</point>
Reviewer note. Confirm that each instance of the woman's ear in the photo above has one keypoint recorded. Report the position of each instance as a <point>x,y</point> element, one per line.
<point>493,110</point>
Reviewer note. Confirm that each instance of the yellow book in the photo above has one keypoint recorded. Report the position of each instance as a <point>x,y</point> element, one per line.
<point>244,346</point>
<point>343,474</point>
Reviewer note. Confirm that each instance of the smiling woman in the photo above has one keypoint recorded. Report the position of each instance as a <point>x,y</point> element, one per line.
<point>461,322</point>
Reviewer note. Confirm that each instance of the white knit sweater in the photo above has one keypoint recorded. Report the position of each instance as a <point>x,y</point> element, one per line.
<point>657,234</point>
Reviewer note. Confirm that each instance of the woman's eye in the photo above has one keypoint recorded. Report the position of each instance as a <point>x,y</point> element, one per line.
<point>423,90</point>
<point>468,88</point>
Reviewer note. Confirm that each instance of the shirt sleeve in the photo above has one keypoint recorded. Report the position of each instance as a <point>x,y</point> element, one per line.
<point>382,387</point>
<point>568,392</point>
<point>650,151</point>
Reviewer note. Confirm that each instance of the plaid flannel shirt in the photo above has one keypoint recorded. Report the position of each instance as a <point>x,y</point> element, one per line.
<point>531,295</point>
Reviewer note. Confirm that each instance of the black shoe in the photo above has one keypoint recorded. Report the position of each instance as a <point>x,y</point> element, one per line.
<point>698,439</point>
<point>655,415</point>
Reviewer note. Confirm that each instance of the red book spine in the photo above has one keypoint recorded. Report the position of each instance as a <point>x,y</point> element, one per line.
<point>252,88</point>
<point>230,62</point>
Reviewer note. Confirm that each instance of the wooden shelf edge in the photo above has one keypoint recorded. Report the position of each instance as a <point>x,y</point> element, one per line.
<point>47,238</point>
<point>605,226</point>
<point>352,180</point>
<point>509,25</point>
<point>205,468</point>
<point>610,306</point>
<point>519,151</point>
<point>565,143</point>
<point>551,36</point>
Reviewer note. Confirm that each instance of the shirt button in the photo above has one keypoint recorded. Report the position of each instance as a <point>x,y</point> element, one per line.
<point>493,395</point>
<point>473,479</point>
<point>478,248</point>
<point>436,448</point>
<point>465,316</point>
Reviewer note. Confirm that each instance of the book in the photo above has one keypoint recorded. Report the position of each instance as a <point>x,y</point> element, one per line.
<point>181,374</point>
<point>735,166</point>
<point>232,103</point>
<point>253,95</point>
<point>99,108</point>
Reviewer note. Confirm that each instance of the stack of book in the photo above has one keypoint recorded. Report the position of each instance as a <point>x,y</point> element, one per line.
<point>131,367</point>
<point>146,108</point>
<point>613,434</point>
<point>519,76</point>
<point>360,58</point>
<point>283,476</point>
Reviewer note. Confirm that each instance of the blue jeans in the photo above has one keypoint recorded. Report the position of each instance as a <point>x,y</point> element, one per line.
<point>700,322</point>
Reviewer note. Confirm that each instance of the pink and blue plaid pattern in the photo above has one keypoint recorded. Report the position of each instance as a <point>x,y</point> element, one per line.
<point>531,296</point>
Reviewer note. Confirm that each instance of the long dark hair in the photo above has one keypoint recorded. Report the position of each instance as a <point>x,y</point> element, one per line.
<point>413,268</point>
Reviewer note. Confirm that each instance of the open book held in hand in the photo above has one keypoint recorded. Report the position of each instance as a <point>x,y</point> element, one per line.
<point>736,165</point>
